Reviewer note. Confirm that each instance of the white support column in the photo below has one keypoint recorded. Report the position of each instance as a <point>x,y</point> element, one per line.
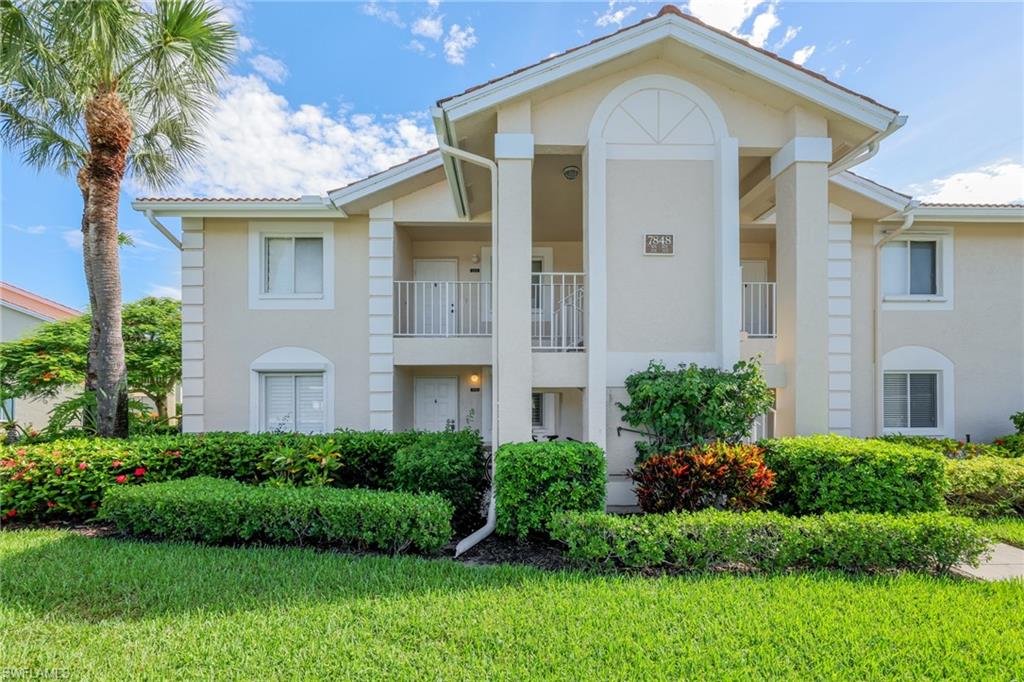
<point>840,324</point>
<point>595,258</point>
<point>728,311</point>
<point>381,310</point>
<point>193,352</point>
<point>800,170</point>
<point>513,360</point>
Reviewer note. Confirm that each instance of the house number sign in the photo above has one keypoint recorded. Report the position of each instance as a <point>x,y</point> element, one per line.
<point>659,245</point>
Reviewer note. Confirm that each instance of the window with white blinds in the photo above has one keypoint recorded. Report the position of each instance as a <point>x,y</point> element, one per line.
<point>911,400</point>
<point>538,411</point>
<point>293,266</point>
<point>293,402</point>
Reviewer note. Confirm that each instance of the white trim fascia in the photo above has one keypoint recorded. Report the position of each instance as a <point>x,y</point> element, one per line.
<point>26,311</point>
<point>923,359</point>
<point>260,301</point>
<point>965,214</point>
<point>384,180</point>
<point>703,39</point>
<point>290,359</point>
<point>801,150</point>
<point>870,190</point>
<point>307,207</point>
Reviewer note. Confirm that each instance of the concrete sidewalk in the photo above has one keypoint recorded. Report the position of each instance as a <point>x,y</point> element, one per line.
<point>1005,562</point>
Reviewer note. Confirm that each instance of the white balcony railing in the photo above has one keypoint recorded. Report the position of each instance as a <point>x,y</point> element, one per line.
<point>759,309</point>
<point>442,308</point>
<point>556,299</point>
<point>763,427</point>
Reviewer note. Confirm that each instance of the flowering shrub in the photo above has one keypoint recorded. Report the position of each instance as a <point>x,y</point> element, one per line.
<point>717,476</point>
<point>212,510</point>
<point>1012,445</point>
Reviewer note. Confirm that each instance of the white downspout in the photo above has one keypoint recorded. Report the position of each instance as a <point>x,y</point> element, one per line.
<point>163,229</point>
<point>471,540</point>
<point>868,149</point>
<point>908,221</point>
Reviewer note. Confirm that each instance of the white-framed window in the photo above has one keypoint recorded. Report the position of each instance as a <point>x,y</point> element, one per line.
<point>544,413</point>
<point>917,271</point>
<point>293,402</point>
<point>291,265</point>
<point>291,390</point>
<point>917,392</point>
<point>911,400</point>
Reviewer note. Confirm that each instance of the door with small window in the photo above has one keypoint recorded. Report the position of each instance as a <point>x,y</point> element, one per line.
<point>293,402</point>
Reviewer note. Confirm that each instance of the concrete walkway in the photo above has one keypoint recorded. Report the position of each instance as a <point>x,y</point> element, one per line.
<point>1005,562</point>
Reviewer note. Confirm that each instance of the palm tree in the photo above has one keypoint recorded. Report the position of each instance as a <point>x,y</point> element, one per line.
<point>98,89</point>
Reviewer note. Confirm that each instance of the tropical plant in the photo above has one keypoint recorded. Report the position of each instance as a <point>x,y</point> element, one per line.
<point>54,358</point>
<point>99,90</point>
<point>693,405</point>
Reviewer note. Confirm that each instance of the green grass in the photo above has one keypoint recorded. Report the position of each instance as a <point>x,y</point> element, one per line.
<point>1010,530</point>
<point>110,609</point>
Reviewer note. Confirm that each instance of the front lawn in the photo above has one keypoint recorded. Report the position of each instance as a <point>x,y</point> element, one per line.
<point>1009,529</point>
<point>105,609</point>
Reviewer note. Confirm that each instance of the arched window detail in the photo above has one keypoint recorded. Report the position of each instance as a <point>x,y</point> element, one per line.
<point>291,389</point>
<point>917,392</point>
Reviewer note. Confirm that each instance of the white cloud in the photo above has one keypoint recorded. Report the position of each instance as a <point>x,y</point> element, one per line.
<point>457,42</point>
<point>998,183</point>
<point>803,54</point>
<point>614,16</point>
<point>164,291</point>
<point>764,24</point>
<point>791,32</point>
<point>429,27</point>
<point>272,69</point>
<point>415,46</point>
<point>244,43</point>
<point>257,144</point>
<point>72,239</point>
<point>31,229</point>
<point>728,15</point>
<point>388,16</point>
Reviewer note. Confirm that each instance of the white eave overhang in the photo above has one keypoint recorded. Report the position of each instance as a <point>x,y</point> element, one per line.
<point>871,190</point>
<point>304,207</point>
<point>702,38</point>
<point>967,214</point>
<point>344,197</point>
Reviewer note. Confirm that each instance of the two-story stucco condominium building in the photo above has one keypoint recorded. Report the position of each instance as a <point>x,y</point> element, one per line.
<point>665,192</point>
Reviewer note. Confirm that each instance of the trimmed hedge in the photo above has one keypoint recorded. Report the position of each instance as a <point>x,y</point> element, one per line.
<point>1012,444</point>
<point>67,479</point>
<point>453,465</point>
<point>818,474</point>
<point>949,447</point>
<point>986,486</point>
<point>214,510</point>
<point>770,542</point>
<point>534,481</point>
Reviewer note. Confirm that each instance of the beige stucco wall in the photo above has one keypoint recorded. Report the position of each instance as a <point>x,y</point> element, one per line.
<point>983,335</point>
<point>660,303</point>
<point>236,335</point>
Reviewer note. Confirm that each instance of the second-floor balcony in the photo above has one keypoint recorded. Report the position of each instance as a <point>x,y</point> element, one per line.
<point>759,309</point>
<point>441,309</point>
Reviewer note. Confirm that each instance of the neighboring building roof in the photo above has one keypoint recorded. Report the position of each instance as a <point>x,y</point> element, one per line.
<point>930,204</point>
<point>219,199</point>
<point>386,170</point>
<point>34,304</point>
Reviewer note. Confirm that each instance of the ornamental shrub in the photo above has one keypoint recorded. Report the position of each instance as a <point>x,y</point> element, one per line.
<point>453,465</point>
<point>534,481</point>
<point>717,475</point>
<point>693,405</point>
<point>1011,445</point>
<point>986,486</point>
<point>769,541</point>
<point>949,447</point>
<point>817,474</point>
<point>213,510</point>
<point>49,481</point>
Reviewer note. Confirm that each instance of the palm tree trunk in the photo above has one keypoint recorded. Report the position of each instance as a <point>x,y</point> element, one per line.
<point>89,415</point>
<point>110,130</point>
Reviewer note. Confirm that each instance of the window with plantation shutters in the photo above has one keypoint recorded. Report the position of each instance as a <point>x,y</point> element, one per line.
<point>538,410</point>
<point>293,402</point>
<point>911,400</point>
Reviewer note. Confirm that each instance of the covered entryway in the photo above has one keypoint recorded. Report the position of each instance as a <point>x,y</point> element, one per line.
<point>436,403</point>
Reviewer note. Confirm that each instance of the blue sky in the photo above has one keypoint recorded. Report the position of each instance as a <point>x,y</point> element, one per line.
<point>324,93</point>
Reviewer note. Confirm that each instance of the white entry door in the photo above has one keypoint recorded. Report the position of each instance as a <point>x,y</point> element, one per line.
<point>435,297</point>
<point>436,403</point>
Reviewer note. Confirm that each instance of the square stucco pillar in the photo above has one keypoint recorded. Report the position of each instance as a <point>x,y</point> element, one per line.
<point>381,307</point>
<point>513,151</point>
<point>800,170</point>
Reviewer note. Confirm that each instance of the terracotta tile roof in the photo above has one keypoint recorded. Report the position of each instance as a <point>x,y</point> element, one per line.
<point>44,307</point>
<point>930,204</point>
<point>878,184</point>
<point>212,200</point>
<point>665,10</point>
<point>390,168</point>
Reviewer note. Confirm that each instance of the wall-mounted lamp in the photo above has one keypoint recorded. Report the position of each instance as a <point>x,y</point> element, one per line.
<point>570,173</point>
<point>474,379</point>
<point>476,259</point>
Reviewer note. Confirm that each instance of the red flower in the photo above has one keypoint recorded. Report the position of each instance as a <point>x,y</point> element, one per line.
<point>121,479</point>
<point>22,451</point>
<point>51,504</point>
<point>92,505</point>
<point>7,463</point>
<point>140,471</point>
<point>11,513</point>
<point>116,463</point>
<point>173,453</point>
<point>59,471</point>
<point>83,465</point>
